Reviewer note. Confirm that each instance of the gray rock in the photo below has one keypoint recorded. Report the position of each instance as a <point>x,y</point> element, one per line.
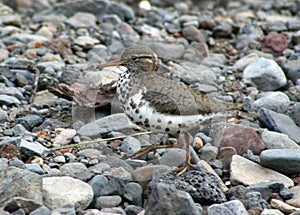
<point>208,152</point>
<point>34,167</point>
<point>9,100</point>
<point>113,210</point>
<point>286,161</point>
<point>275,140</point>
<point>30,121</point>
<point>21,183</point>
<point>276,101</point>
<point>133,193</point>
<point>60,191</point>
<point>19,130</point>
<point>173,157</point>
<point>113,187</point>
<point>133,209</point>
<point>266,189</point>
<point>24,38</point>
<point>130,145</point>
<point>32,148</point>
<point>294,112</point>
<point>41,211</point>
<point>97,183</point>
<point>108,201</point>
<point>73,168</point>
<point>115,162</point>
<point>279,122</point>
<point>3,164</point>
<point>19,203</point>
<point>231,207</point>
<point>3,116</point>
<point>265,74</point>
<point>107,124</point>
<point>99,168</point>
<point>120,173</point>
<point>90,153</point>
<point>11,91</point>
<point>204,187</point>
<point>53,65</point>
<point>82,20</point>
<point>166,199</point>
<point>169,51</point>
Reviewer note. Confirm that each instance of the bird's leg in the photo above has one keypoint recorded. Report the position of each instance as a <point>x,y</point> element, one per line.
<point>187,164</point>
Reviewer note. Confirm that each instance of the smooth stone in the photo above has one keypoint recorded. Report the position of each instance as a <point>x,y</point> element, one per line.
<point>115,162</point>
<point>21,183</point>
<point>244,171</point>
<point>73,168</point>
<point>44,97</point>
<point>9,100</point>
<point>64,137</point>
<point>20,204</point>
<point>285,161</point>
<point>231,207</point>
<point>279,122</point>
<point>165,199</point>
<point>107,124</point>
<point>99,168</point>
<point>108,201</point>
<point>114,186</point>
<point>98,182</point>
<point>90,153</point>
<point>208,152</point>
<point>41,211</point>
<point>59,191</point>
<point>120,173</point>
<point>271,212</point>
<point>30,121</point>
<point>20,130</point>
<point>133,193</point>
<point>265,74</point>
<point>242,63</point>
<point>295,200</point>
<point>276,101</point>
<point>173,157</point>
<point>275,140</point>
<point>34,167</point>
<point>82,20</point>
<point>282,206</point>
<point>170,51</point>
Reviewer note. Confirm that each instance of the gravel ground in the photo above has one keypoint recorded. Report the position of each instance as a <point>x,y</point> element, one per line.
<point>64,139</point>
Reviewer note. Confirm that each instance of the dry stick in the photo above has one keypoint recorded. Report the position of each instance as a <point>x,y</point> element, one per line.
<point>97,141</point>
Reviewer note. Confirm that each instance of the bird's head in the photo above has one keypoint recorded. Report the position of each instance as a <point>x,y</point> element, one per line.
<point>137,58</point>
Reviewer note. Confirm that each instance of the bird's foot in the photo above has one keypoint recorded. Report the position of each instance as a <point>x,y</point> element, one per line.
<point>184,168</point>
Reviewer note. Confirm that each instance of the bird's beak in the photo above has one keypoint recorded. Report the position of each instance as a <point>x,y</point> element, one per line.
<point>111,63</point>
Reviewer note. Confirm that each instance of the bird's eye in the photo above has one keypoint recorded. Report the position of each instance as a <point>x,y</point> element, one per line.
<point>135,58</point>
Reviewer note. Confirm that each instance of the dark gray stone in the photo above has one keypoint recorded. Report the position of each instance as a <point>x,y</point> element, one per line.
<point>32,149</point>
<point>286,161</point>
<point>230,208</point>
<point>97,183</point>
<point>133,209</point>
<point>113,187</point>
<point>16,203</point>
<point>30,121</point>
<point>166,199</point>
<point>34,167</point>
<point>279,122</point>
<point>204,187</point>
<point>133,193</point>
<point>130,145</point>
<point>286,193</point>
<point>41,211</point>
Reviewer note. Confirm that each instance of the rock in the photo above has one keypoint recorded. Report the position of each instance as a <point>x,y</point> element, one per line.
<point>271,212</point>
<point>82,20</point>
<point>173,157</point>
<point>41,211</point>
<point>21,183</point>
<point>30,121</point>
<point>108,201</point>
<point>266,189</point>
<point>98,182</point>
<point>115,162</point>
<point>19,203</point>
<point>34,167</point>
<point>59,191</point>
<point>284,207</point>
<point>275,140</point>
<point>105,125</point>
<point>86,42</point>
<point>10,151</point>
<point>276,101</point>
<point>114,186</point>
<point>204,187</point>
<point>120,173</point>
<point>265,74</point>
<point>90,153</point>
<point>133,210</point>
<point>279,122</point>
<point>248,173</point>
<point>208,152</point>
<point>167,51</point>
<point>99,168</point>
<point>295,200</point>
<point>285,161</point>
<point>133,193</point>
<point>241,138</point>
<point>130,145</point>
<point>32,148</point>
<point>165,199</point>
<point>277,42</point>
<point>44,97</point>
<point>242,63</point>
<point>65,137</point>
<point>231,207</point>
<point>73,168</point>
<point>9,100</point>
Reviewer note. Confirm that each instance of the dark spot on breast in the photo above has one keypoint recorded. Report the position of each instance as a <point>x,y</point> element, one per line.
<point>170,122</point>
<point>141,116</point>
<point>167,130</point>
<point>132,104</point>
<point>158,127</point>
<point>159,120</point>
<point>146,123</point>
<point>137,111</point>
<point>179,125</point>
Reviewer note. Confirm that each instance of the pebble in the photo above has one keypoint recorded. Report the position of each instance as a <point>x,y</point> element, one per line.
<point>65,137</point>
<point>265,74</point>
<point>173,157</point>
<point>59,191</point>
<point>276,101</point>
<point>248,173</point>
<point>82,20</point>
<point>231,207</point>
<point>133,193</point>
<point>73,168</point>
<point>130,145</point>
<point>32,148</point>
<point>275,140</point>
<point>108,201</point>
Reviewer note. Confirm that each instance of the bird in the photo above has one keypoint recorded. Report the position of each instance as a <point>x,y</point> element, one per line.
<point>161,104</point>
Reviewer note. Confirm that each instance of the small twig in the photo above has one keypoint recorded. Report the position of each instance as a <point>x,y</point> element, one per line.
<point>97,141</point>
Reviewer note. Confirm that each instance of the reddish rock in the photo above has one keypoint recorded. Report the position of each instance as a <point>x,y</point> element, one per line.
<point>241,138</point>
<point>277,42</point>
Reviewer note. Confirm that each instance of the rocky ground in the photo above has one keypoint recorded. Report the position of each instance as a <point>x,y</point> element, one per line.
<point>53,97</point>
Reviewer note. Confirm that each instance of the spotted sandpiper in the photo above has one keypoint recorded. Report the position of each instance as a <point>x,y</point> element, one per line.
<point>161,104</point>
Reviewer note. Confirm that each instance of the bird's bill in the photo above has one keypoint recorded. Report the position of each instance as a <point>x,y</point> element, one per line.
<point>111,63</point>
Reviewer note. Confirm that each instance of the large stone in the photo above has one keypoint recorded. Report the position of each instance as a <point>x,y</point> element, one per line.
<point>285,161</point>
<point>275,140</point>
<point>244,171</point>
<point>265,74</point>
<point>59,191</point>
